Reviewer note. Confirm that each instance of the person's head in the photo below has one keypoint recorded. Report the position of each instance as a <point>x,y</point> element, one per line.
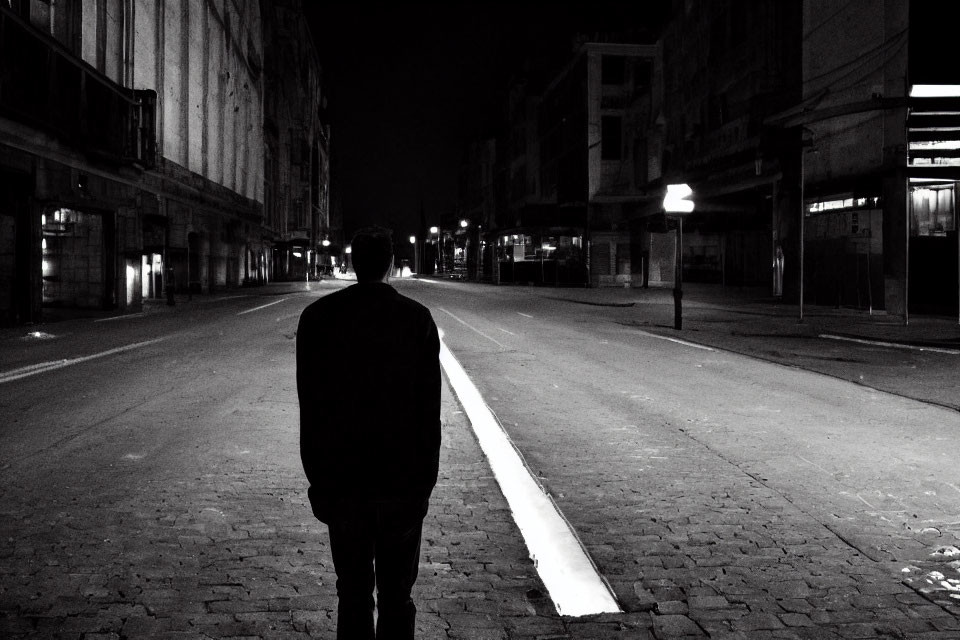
<point>372,253</point>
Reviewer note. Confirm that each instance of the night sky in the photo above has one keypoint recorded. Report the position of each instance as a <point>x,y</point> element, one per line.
<point>408,84</point>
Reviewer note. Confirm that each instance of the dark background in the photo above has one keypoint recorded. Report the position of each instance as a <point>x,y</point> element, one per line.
<point>409,84</point>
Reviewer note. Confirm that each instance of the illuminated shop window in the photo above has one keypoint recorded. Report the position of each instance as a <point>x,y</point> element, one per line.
<point>932,210</point>
<point>839,204</point>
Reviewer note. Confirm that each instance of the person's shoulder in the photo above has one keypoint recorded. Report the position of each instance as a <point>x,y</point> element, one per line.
<point>328,302</point>
<point>412,305</point>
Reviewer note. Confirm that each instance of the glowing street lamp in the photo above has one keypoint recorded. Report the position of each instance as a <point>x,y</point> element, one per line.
<point>676,204</point>
<point>464,223</point>
<point>416,254</point>
<point>326,242</point>
<point>434,229</point>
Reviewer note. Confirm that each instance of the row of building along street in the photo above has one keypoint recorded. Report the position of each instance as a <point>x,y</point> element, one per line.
<point>819,140</point>
<point>148,147</point>
<point>184,146</point>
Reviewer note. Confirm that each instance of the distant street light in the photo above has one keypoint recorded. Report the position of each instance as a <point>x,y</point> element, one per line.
<point>677,205</point>
<point>464,223</point>
<point>416,254</point>
<point>434,229</point>
<point>326,242</point>
<point>349,249</point>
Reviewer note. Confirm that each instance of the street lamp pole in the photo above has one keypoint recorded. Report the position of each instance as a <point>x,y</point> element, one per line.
<point>677,202</point>
<point>678,280</point>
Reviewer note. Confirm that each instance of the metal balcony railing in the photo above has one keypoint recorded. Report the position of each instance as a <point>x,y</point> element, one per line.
<point>44,85</point>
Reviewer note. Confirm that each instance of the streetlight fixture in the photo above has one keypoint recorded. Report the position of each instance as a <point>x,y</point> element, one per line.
<point>677,204</point>
<point>416,254</point>
<point>464,223</point>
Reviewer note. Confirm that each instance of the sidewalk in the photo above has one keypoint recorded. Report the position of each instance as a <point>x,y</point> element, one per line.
<point>711,304</point>
<point>919,360</point>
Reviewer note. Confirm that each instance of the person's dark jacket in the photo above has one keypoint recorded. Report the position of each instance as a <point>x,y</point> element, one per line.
<point>368,379</point>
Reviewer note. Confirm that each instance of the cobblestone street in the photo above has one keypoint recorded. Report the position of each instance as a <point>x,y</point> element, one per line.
<point>199,527</point>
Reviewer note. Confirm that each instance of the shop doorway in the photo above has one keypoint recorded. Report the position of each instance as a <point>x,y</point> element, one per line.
<point>75,259</point>
<point>151,275</point>
<point>933,250</point>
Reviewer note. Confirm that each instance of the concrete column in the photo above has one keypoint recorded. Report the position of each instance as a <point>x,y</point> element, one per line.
<point>895,239</point>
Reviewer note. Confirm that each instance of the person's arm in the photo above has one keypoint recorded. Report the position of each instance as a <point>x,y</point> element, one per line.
<point>428,392</point>
<point>308,391</point>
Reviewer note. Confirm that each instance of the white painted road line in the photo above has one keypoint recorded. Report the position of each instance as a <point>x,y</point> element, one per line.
<point>892,345</point>
<point>123,317</point>
<point>571,578</point>
<point>263,306</point>
<point>34,369</point>
<point>525,315</point>
<point>677,340</point>
<point>473,328</point>
<point>505,331</point>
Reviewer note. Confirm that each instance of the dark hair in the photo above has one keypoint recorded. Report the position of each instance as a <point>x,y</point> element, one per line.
<point>372,252</point>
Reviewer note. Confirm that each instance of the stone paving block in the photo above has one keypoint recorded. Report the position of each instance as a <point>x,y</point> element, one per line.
<point>757,621</point>
<point>707,602</point>
<point>672,626</point>
<point>796,620</point>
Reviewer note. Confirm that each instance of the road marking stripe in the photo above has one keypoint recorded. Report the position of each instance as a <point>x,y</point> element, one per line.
<point>525,315</point>
<point>432,281</point>
<point>263,306</point>
<point>677,340</point>
<point>34,369</point>
<point>571,578</point>
<point>469,326</point>
<point>123,317</point>
<point>894,345</point>
<point>505,331</point>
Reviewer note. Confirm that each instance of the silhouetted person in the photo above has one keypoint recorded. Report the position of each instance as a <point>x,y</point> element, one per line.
<point>370,443</point>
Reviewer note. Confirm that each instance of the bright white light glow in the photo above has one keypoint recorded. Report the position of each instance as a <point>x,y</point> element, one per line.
<point>830,205</point>
<point>43,219</point>
<point>568,573</point>
<point>349,249</point>
<point>935,91</point>
<point>405,272</point>
<point>934,145</point>
<point>464,223</point>
<point>46,267</point>
<point>413,239</point>
<point>434,229</point>
<point>676,199</point>
<point>297,254</point>
<point>325,242</point>
<point>940,162</point>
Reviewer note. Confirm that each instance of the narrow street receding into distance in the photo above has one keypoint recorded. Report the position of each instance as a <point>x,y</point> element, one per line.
<point>157,490</point>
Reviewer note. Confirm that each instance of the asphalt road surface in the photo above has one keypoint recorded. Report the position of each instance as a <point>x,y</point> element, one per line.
<point>150,482</point>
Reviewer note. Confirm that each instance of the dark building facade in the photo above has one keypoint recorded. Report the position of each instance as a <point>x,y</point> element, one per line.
<point>820,140</point>
<point>296,149</point>
<point>564,174</point>
<point>132,152</point>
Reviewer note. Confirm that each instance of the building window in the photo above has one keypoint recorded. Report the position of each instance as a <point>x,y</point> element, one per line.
<point>610,138</point>
<point>932,211</point>
<point>612,69</point>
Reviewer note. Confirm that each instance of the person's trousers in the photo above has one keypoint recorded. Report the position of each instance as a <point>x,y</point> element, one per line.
<point>376,545</point>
